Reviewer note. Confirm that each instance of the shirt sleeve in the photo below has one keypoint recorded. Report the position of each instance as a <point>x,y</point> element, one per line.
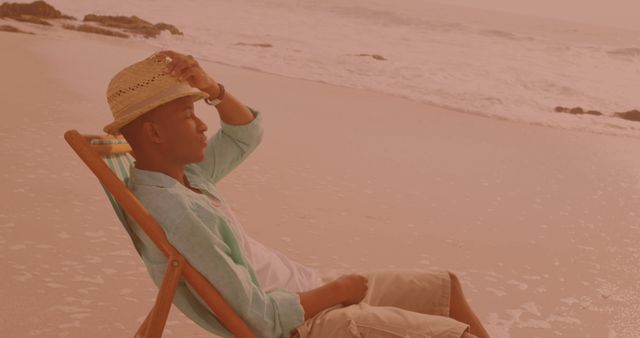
<point>230,146</point>
<point>214,252</point>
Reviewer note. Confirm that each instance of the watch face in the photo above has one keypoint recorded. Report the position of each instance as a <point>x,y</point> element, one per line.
<point>215,101</point>
<point>212,102</point>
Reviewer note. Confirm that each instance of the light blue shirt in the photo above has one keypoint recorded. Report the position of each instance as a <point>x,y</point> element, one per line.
<point>205,237</point>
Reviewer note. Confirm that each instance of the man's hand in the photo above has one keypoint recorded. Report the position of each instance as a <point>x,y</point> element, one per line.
<point>345,290</point>
<point>185,67</point>
<point>354,287</point>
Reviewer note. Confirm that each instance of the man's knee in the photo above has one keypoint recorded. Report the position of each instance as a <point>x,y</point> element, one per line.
<point>466,334</point>
<point>455,282</point>
<point>456,291</point>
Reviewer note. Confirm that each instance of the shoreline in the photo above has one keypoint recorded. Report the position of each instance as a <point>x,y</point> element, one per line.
<point>450,109</point>
<point>142,44</point>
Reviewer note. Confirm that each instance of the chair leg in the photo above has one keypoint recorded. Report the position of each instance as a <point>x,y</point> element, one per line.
<point>153,325</point>
<point>143,328</point>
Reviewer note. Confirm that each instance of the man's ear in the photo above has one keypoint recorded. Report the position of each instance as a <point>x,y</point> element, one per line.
<point>152,131</point>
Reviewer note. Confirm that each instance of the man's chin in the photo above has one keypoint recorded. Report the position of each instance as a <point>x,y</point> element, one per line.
<point>197,159</point>
<point>201,157</point>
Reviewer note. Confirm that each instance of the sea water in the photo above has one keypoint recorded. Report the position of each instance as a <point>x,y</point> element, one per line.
<point>496,64</point>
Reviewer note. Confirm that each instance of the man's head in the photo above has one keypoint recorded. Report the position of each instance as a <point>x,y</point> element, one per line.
<point>170,132</point>
<point>155,113</point>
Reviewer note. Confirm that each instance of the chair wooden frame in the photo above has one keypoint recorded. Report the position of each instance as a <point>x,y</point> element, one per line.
<point>177,265</point>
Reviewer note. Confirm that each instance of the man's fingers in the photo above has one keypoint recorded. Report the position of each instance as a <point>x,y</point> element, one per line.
<point>172,66</point>
<point>189,72</point>
<point>175,57</point>
<point>180,67</point>
<point>168,53</point>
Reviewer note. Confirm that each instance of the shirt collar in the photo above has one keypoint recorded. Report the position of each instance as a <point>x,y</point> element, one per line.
<point>160,179</point>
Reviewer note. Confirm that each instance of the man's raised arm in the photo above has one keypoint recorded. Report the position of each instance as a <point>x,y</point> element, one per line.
<point>241,130</point>
<point>230,109</point>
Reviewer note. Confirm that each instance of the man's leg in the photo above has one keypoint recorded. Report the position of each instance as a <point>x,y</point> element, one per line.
<point>434,292</point>
<point>460,310</point>
<point>365,320</point>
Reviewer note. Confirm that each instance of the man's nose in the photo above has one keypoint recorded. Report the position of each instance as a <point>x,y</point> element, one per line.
<point>202,126</point>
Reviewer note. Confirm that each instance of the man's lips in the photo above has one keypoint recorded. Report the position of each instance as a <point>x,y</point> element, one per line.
<point>203,139</point>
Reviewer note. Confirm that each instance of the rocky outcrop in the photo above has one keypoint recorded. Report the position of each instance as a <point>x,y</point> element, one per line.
<point>39,9</point>
<point>35,12</point>
<point>132,24</point>
<point>631,115</point>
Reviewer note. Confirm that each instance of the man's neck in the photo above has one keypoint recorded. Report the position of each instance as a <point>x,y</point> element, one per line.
<point>174,171</point>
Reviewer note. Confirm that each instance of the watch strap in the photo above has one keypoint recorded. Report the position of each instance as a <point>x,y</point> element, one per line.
<point>216,100</point>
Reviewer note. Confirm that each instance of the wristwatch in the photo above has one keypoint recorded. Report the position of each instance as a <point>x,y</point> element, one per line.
<point>216,100</point>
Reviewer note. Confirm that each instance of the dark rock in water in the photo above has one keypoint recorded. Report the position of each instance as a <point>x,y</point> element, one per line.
<point>128,23</point>
<point>375,56</point>
<point>632,115</point>
<point>630,54</point>
<point>96,30</point>
<point>132,24</point>
<point>7,28</point>
<point>576,111</point>
<point>266,45</point>
<point>39,9</point>
<point>117,20</point>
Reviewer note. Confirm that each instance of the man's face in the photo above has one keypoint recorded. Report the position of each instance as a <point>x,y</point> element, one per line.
<point>182,131</point>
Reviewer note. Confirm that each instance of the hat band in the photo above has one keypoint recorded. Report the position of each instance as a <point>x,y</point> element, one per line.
<point>151,99</point>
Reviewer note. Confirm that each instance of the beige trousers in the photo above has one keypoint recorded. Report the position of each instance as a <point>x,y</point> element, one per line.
<point>399,303</point>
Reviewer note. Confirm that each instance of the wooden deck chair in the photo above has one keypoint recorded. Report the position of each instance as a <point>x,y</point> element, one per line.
<point>109,157</point>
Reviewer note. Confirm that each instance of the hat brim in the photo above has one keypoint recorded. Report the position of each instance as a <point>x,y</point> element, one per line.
<point>113,128</point>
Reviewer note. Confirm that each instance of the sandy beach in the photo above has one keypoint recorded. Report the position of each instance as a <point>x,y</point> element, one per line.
<point>540,224</point>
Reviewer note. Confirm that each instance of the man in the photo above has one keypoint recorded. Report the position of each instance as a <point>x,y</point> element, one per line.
<point>174,176</point>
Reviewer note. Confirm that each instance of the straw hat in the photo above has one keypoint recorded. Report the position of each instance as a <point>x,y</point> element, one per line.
<point>141,87</point>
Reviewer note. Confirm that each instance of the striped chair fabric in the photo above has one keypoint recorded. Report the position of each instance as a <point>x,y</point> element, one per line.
<point>119,164</point>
